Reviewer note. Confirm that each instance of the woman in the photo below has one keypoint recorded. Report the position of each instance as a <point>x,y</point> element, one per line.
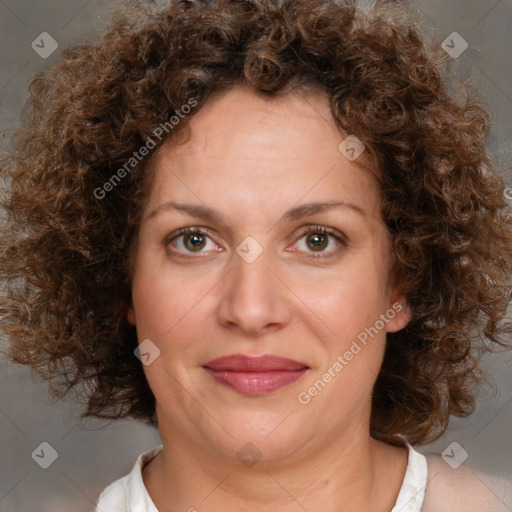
<point>267,229</point>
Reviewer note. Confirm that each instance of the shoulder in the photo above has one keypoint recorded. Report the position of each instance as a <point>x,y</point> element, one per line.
<point>113,497</point>
<point>463,488</point>
<point>129,492</point>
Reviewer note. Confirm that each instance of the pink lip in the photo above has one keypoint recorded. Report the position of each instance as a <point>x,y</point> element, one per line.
<point>255,375</point>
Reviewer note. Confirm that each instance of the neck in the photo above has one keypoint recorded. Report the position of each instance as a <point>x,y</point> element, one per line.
<point>353,473</point>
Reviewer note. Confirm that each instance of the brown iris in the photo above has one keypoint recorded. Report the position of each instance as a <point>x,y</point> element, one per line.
<point>318,240</point>
<point>194,241</point>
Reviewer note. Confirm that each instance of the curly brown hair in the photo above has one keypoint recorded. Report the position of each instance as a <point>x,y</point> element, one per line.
<point>66,252</point>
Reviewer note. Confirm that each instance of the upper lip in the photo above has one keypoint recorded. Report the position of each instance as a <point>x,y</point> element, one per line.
<point>266,363</point>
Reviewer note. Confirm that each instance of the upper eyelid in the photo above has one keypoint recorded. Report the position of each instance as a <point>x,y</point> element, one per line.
<point>303,231</point>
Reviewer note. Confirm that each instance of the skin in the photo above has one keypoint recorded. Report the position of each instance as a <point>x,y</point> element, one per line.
<point>252,159</point>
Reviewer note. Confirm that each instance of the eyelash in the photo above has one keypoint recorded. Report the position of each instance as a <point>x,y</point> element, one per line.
<point>310,230</point>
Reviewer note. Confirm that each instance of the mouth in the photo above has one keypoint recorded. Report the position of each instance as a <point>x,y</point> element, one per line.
<point>255,375</point>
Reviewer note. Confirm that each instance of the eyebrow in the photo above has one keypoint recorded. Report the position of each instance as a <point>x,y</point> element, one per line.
<point>294,214</point>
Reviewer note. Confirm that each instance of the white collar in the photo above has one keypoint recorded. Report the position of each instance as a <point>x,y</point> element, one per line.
<point>131,491</point>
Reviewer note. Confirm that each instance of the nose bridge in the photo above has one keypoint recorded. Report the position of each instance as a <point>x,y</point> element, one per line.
<point>252,275</point>
<point>252,297</point>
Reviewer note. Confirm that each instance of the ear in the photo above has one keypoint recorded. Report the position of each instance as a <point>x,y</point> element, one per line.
<point>130,315</point>
<point>399,312</point>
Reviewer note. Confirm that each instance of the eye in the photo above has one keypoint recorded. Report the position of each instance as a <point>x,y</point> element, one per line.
<point>191,240</point>
<point>318,238</point>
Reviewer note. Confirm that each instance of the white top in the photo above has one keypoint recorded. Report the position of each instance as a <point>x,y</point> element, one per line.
<point>128,494</point>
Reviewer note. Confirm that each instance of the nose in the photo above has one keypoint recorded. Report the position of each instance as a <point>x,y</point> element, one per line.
<point>254,299</point>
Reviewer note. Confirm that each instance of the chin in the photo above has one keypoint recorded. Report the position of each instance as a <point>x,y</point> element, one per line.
<point>272,436</point>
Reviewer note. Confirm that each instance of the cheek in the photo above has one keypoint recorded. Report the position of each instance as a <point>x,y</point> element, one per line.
<point>352,314</point>
<point>165,314</point>
<point>349,300</point>
<point>162,305</point>
<point>353,343</point>
<point>347,306</point>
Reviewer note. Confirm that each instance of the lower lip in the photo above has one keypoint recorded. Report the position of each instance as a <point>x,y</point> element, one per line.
<point>256,383</point>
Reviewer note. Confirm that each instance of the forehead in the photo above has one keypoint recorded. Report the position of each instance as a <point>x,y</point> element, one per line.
<point>265,151</point>
<point>243,121</point>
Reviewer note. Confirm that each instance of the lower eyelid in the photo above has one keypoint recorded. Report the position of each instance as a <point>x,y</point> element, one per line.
<point>339,238</point>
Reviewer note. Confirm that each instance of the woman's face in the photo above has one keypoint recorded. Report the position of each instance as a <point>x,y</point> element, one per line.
<point>254,283</point>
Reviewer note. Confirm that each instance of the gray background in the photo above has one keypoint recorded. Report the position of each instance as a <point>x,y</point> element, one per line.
<point>93,453</point>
